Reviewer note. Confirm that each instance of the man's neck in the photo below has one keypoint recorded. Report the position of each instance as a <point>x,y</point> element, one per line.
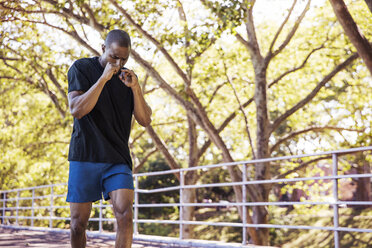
<point>102,62</point>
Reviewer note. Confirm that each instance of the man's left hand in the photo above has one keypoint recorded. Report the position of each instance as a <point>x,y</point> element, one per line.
<point>129,78</point>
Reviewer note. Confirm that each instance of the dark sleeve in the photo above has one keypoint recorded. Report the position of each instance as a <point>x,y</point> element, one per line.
<point>77,80</point>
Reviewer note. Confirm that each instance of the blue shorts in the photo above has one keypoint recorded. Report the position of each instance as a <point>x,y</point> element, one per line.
<point>88,181</point>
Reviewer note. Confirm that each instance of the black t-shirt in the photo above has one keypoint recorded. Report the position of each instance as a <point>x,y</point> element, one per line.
<point>101,135</point>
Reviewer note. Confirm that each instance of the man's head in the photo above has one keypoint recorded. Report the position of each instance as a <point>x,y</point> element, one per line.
<point>116,48</point>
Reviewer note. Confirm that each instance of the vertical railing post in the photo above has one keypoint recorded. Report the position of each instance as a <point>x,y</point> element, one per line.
<point>100,216</point>
<point>335,199</point>
<point>51,207</point>
<point>181,204</point>
<point>4,206</point>
<point>32,207</point>
<point>17,206</point>
<point>244,198</point>
<point>136,205</point>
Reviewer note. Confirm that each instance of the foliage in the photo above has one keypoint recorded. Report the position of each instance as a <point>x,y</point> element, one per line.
<point>40,39</point>
<point>319,238</point>
<point>155,182</point>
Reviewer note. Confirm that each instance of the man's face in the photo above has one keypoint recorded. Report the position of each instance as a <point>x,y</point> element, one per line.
<point>115,53</point>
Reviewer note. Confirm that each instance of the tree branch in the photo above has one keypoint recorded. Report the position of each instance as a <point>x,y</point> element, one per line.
<point>44,86</point>
<point>65,13</point>
<point>13,67</point>
<point>168,123</point>
<point>152,40</point>
<point>290,35</point>
<point>243,41</point>
<point>14,9</point>
<point>215,92</point>
<point>224,125</point>
<point>73,34</point>
<point>281,26</point>
<point>56,83</point>
<point>301,166</point>
<point>78,18</point>
<point>241,109</point>
<point>351,29</point>
<point>313,93</point>
<point>136,138</point>
<point>276,80</point>
<point>252,43</point>
<point>369,4</point>
<point>163,149</point>
<point>92,19</point>
<point>159,79</point>
<point>199,53</point>
<point>31,145</point>
<point>186,33</point>
<point>7,89</point>
<point>7,58</point>
<point>150,90</point>
<point>144,160</point>
<point>313,129</point>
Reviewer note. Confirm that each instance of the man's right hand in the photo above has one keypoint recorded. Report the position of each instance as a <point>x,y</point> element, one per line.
<point>81,103</point>
<point>110,70</point>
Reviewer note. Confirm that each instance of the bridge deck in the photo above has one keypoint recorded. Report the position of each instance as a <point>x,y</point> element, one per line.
<point>19,237</point>
<point>16,238</point>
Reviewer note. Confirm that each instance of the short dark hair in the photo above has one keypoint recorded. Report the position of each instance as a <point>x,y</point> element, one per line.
<point>119,36</point>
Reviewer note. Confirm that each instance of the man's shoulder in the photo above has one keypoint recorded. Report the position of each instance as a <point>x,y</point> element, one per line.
<point>83,63</point>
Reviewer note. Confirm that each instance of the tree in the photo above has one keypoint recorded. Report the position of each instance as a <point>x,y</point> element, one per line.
<point>360,42</point>
<point>369,4</point>
<point>233,13</point>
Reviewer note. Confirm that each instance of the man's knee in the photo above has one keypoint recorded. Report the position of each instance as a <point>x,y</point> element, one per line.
<point>77,226</point>
<point>124,216</point>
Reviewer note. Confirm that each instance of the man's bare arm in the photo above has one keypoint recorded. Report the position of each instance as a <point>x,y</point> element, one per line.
<point>81,103</point>
<point>142,112</point>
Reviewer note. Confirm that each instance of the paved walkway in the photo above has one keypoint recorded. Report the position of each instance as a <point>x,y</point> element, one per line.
<point>13,238</point>
<point>19,237</point>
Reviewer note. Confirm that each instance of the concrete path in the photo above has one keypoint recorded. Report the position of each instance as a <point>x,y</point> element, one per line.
<point>19,237</point>
<point>13,238</point>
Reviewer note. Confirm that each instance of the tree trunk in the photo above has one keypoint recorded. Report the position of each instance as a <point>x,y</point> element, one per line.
<point>1,212</point>
<point>360,42</point>
<point>369,4</point>
<point>188,196</point>
<point>262,172</point>
<point>363,190</point>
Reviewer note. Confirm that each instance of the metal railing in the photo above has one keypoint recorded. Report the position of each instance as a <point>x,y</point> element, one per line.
<point>49,215</point>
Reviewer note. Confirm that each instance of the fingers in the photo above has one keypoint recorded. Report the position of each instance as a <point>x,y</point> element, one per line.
<point>128,77</point>
<point>115,67</point>
<point>131,72</point>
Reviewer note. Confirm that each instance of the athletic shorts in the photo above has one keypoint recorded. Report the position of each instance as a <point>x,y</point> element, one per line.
<point>88,181</point>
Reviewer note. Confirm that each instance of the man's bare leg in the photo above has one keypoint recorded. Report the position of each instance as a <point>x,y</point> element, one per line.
<point>80,213</point>
<point>122,202</point>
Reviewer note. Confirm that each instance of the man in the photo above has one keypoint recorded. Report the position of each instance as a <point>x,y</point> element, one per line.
<point>102,97</point>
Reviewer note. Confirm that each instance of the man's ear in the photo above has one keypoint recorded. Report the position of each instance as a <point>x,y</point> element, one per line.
<point>103,48</point>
